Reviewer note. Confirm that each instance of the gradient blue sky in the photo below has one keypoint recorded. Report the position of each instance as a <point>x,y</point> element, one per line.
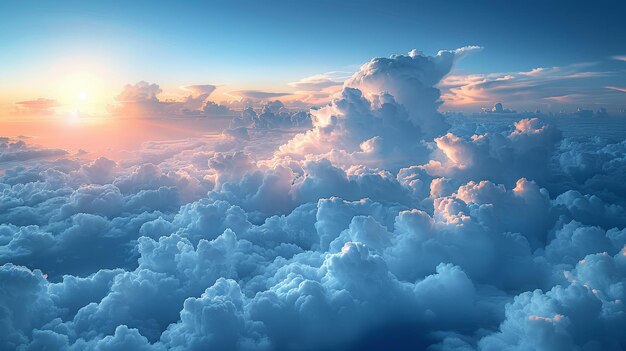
<point>267,44</point>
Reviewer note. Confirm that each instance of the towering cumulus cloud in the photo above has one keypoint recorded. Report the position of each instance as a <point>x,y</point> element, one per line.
<point>371,223</point>
<point>411,81</point>
<point>385,115</point>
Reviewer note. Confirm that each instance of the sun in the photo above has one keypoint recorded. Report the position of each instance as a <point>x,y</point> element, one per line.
<point>84,89</point>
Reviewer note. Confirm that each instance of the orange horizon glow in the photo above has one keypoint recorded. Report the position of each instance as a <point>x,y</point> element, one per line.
<point>105,136</point>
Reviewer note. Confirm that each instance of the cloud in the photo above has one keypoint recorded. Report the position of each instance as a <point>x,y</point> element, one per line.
<point>553,320</point>
<point>369,222</point>
<point>257,94</point>
<point>200,89</point>
<point>504,157</point>
<point>272,115</point>
<point>139,99</point>
<point>554,87</point>
<point>464,51</point>
<point>382,117</point>
<point>623,90</point>
<point>199,96</point>
<point>411,81</point>
<point>140,92</point>
<point>315,83</point>
<point>210,108</point>
<point>41,106</point>
<point>142,100</point>
<point>17,150</point>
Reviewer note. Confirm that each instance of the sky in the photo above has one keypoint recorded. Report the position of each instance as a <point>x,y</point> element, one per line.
<point>286,175</point>
<point>72,51</point>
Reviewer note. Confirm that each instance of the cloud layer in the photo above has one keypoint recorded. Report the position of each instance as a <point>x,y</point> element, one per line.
<point>368,223</point>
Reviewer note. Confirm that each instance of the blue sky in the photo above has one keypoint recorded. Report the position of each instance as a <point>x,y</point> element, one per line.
<point>265,45</point>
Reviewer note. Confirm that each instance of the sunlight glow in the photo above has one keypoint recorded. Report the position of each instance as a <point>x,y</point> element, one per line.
<point>73,117</point>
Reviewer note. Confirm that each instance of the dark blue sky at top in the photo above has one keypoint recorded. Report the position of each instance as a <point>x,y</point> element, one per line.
<point>266,44</point>
<point>516,34</point>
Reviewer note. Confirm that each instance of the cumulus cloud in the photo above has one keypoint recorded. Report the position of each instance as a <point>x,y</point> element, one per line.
<point>211,108</point>
<point>139,99</point>
<point>142,100</point>
<point>17,150</point>
<point>384,117</point>
<point>411,81</point>
<point>200,89</point>
<point>505,157</point>
<point>199,95</point>
<point>272,115</point>
<point>140,92</point>
<point>367,223</point>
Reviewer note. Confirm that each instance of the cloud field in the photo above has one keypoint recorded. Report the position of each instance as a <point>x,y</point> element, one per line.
<point>370,223</point>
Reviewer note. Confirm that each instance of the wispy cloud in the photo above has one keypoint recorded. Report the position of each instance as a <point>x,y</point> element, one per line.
<point>316,82</point>
<point>619,57</point>
<point>256,94</point>
<point>581,83</point>
<point>41,106</point>
<point>623,90</point>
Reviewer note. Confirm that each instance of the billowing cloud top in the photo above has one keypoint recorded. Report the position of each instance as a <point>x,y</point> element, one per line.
<point>140,92</point>
<point>200,89</point>
<point>411,81</point>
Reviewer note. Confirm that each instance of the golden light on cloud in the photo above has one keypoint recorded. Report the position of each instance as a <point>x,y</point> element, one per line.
<point>463,90</point>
